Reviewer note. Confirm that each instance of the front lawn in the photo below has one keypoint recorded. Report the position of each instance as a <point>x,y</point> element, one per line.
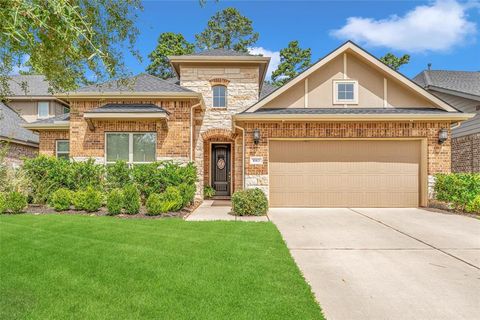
<point>71,266</point>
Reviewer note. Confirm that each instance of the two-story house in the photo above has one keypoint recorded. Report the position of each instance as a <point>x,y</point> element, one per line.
<point>349,131</point>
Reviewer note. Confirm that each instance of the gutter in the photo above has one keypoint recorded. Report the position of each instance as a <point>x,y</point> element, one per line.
<point>129,94</point>
<point>58,125</point>
<point>191,128</point>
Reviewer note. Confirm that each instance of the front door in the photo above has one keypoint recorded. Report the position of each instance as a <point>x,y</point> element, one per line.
<point>221,169</point>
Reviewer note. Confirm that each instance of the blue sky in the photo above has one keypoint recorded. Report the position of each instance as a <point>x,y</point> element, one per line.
<point>444,32</point>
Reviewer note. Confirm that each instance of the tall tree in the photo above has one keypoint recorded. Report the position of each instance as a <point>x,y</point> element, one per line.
<point>293,60</point>
<point>227,29</point>
<point>395,62</point>
<point>169,43</point>
<point>66,40</point>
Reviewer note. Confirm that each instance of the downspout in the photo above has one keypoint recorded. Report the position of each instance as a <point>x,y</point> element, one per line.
<point>191,129</point>
<point>243,154</point>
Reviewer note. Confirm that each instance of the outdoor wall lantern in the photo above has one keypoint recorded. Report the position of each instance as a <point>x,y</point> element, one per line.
<point>256,136</point>
<point>442,135</point>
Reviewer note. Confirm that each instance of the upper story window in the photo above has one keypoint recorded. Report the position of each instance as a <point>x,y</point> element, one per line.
<point>43,109</point>
<point>345,92</point>
<point>132,147</point>
<point>62,149</point>
<point>219,96</point>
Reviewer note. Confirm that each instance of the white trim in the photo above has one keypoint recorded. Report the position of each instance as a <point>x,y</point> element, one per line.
<point>356,49</point>
<point>130,146</point>
<point>385,93</point>
<point>62,152</point>
<point>345,101</point>
<point>345,66</point>
<point>306,93</point>
<point>125,115</point>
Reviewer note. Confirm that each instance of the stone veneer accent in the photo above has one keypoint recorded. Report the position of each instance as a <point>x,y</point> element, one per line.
<point>466,153</point>
<point>16,152</point>
<point>257,175</point>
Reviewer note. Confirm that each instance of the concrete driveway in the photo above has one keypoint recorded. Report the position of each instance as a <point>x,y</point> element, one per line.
<point>386,263</point>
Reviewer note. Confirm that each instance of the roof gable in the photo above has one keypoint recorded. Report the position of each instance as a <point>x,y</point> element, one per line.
<point>466,82</point>
<point>299,88</point>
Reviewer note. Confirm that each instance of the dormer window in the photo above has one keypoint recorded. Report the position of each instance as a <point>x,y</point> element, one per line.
<point>345,92</point>
<point>219,96</point>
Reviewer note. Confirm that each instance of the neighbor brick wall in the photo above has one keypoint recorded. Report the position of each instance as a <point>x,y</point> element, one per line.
<point>466,153</point>
<point>16,152</point>
<point>48,138</point>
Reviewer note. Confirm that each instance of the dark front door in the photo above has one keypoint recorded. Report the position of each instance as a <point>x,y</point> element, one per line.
<point>221,169</point>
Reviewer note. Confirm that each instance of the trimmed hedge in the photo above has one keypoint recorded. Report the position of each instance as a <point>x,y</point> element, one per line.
<point>88,199</point>
<point>115,202</point>
<point>61,199</point>
<point>250,202</point>
<point>458,189</point>
<point>3,202</point>
<point>131,199</point>
<point>15,202</point>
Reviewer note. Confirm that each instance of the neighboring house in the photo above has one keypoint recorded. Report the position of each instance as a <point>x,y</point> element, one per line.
<point>461,89</point>
<point>347,132</point>
<point>20,142</point>
<point>30,97</point>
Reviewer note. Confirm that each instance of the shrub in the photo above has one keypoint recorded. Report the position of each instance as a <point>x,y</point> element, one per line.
<point>187,192</point>
<point>88,199</point>
<point>131,198</point>
<point>250,202</point>
<point>86,174</point>
<point>15,202</point>
<point>474,205</point>
<point>208,192</point>
<point>155,205</point>
<point>61,199</point>
<point>3,202</point>
<point>459,189</point>
<point>115,201</point>
<point>118,175</point>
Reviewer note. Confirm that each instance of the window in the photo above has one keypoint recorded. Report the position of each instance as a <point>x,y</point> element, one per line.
<point>43,109</point>
<point>345,92</point>
<point>131,147</point>
<point>66,110</point>
<point>219,97</point>
<point>62,149</point>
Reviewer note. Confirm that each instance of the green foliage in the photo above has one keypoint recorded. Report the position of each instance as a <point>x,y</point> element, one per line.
<point>173,197</point>
<point>187,192</point>
<point>131,199</point>
<point>11,179</point>
<point>118,175</point>
<point>208,192</point>
<point>115,201</point>
<point>459,189</point>
<point>155,205</point>
<point>474,205</point>
<point>227,29</point>
<point>15,202</point>
<point>395,62</point>
<point>293,60</point>
<point>169,44</point>
<point>67,40</point>
<point>250,202</point>
<point>86,174</point>
<point>170,200</point>
<point>3,202</point>
<point>87,199</point>
<point>61,199</point>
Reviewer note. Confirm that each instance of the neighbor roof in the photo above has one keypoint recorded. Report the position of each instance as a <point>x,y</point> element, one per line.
<point>52,120</point>
<point>461,81</point>
<point>28,85</point>
<point>267,88</point>
<point>11,126</point>
<point>128,108</point>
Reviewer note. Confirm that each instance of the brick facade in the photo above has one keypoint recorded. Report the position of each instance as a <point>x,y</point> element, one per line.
<point>48,138</point>
<point>466,153</point>
<point>16,152</point>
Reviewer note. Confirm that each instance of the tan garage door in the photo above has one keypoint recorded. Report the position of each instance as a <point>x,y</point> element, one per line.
<point>344,173</point>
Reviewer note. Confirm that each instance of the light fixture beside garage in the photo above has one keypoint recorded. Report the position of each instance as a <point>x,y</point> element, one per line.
<point>442,135</point>
<point>256,136</point>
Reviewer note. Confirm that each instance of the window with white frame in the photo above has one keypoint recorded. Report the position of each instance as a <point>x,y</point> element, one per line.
<point>219,96</point>
<point>43,109</point>
<point>62,149</point>
<point>345,92</point>
<point>132,147</point>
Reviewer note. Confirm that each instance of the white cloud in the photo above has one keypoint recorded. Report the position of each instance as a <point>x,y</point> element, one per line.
<point>436,27</point>
<point>274,58</point>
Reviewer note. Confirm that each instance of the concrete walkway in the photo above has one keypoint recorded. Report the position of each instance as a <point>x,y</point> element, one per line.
<point>215,210</point>
<point>386,263</point>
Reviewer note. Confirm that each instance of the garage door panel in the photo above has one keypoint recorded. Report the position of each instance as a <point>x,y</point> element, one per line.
<point>344,173</point>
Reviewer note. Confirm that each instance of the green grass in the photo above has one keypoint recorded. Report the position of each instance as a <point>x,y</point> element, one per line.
<point>83,267</point>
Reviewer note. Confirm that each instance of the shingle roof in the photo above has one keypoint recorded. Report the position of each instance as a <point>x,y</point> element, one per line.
<point>62,117</point>
<point>28,85</point>
<point>122,108</point>
<point>461,81</point>
<point>140,83</point>
<point>347,111</point>
<point>267,88</point>
<point>220,53</point>
<point>11,126</point>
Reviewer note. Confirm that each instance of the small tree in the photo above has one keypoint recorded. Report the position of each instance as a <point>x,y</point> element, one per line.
<point>169,43</point>
<point>293,60</point>
<point>227,29</point>
<point>395,62</point>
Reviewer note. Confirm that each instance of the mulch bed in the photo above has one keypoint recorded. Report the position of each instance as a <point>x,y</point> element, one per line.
<point>443,207</point>
<point>44,209</point>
